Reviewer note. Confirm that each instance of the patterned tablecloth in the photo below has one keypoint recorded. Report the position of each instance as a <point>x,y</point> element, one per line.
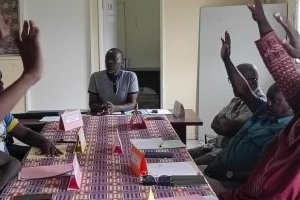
<point>105,176</point>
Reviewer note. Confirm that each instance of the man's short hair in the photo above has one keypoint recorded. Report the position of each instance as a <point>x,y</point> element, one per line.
<point>249,71</point>
<point>115,51</point>
<point>272,91</point>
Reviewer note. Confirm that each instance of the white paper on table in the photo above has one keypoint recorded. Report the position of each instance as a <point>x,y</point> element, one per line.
<point>149,143</point>
<point>210,197</point>
<point>140,111</point>
<point>172,169</point>
<point>159,112</point>
<point>170,144</point>
<point>116,113</point>
<point>188,197</point>
<point>50,119</point>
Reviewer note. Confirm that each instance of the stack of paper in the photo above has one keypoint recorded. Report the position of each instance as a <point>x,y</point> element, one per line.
<point>189,197</point>
<point>169,144</point>
<point>172,169</point>
<point>156,143</point>
<point>158,111</point>
<point>150,143</point>
<point>140,111</point>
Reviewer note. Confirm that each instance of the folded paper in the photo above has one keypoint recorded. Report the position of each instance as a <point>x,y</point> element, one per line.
<point>137,121</point>
<point>178,110</point>
<point>70,120</point>
<point>81,142</point>
<point>39,172</point>
<point>117,147</point>
<point>76,177</point>
<point>150,195</point>
<point>138,163</point>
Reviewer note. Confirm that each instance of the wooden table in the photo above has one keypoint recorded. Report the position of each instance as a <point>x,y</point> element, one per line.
<point>180,124</point>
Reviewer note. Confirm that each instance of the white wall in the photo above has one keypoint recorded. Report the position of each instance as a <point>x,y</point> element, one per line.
<point>139,32</point>
<point>180,33</point>
<point>214,90</point>
<point>65,41</point>
<point>110,26</point>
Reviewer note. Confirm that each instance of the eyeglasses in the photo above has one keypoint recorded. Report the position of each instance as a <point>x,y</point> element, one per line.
<point>162,180</point>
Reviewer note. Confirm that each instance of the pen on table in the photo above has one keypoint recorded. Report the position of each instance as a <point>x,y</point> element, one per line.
<point>65,141</point>
<point>161,144</point>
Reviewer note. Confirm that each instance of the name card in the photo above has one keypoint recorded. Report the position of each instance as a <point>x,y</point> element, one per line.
<point>151,195</point>
<point>70,120</point>
<point>117,148</point>
<point>138,163</point>
<point>81,142</point>
<point>39,172</point>
<point>137,121</point>
<point>76,176</point>
<point>178,110</point>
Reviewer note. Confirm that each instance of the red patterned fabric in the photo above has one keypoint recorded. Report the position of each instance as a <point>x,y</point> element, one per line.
<point>277,175</point>
<point>281,66</point>
<point>105,176</point>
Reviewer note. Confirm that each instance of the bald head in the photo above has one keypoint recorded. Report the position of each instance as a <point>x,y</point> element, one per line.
<point>277,103</point>
<point>250,73</point>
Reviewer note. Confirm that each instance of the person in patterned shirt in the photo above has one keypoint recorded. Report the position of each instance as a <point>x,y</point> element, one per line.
<point>277,174</point>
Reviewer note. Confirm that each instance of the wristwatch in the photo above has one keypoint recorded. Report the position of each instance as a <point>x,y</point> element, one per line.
<point>229,174</point>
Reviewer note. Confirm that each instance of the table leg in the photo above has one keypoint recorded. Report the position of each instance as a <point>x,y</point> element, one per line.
<point>181,132</point>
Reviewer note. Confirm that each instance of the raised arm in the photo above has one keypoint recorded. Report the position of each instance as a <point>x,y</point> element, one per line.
<point>29,48</point>
<point>293,46</point>
<point>277,59</point>
<point>239,83</point>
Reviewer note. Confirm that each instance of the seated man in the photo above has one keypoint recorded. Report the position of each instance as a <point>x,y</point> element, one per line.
<point>113,90</point>
<point>30,53</point>
<point>276,175</point>
<point>238,158</point>
<point>230,119</point>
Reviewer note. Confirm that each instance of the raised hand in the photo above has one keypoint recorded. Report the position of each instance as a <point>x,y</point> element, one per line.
<point>4,26</point>
<point>29,48</point>
<point>226,46</point>
<point>293,45</point>
<point>257,11</point>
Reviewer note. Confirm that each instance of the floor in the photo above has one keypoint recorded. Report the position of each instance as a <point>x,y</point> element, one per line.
<point>194,143</point>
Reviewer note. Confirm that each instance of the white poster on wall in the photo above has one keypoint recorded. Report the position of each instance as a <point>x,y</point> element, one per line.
<point>65,43</point>
<point>214,91</point>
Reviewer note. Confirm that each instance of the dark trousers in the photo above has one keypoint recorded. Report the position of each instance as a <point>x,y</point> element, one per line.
<point>19,152</point>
